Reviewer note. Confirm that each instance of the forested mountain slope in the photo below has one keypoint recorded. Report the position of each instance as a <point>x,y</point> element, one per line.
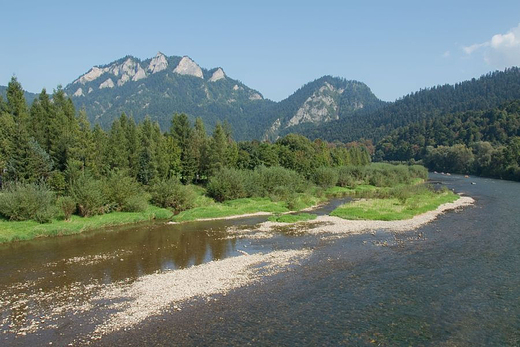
<point>486,92</point>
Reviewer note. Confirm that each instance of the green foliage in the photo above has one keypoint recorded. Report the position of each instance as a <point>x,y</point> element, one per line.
<point>292,218</point>
<point>469,142</point>
<point>229,184</point>
<point>173,194</point>
<point>67,206</point>
<point>487,92</point>
<point>136,203</point>
<point>349,176</point>
<point>26,230</point>
<point>24,201</point>
<point>399,203</point>
<point>121,189</point>
<point>232,208</point>
<point>89,194</point>
<point>326,177</point>
<point>277,181</point>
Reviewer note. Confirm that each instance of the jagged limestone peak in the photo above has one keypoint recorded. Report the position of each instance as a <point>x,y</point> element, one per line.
<point>91,75</point>
<point>107,84</point>
<point>188,67</point>
<point>217,75</point>
<point>158,63</point>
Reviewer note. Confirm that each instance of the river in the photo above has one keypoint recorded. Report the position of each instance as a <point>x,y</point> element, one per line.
<point>455,281</point>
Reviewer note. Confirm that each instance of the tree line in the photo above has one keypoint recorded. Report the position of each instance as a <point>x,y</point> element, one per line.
<point>51,145</point>
<point>484,143</point>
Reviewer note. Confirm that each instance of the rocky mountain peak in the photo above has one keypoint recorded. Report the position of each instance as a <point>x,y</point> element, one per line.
<point>158,63</point>
<point>217,75</point>
<point>91,75</point>
<point>188,67</point>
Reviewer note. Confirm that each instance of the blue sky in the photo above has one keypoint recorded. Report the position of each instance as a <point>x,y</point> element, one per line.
<point>273,46</point>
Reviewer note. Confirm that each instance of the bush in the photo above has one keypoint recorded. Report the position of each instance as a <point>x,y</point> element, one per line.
<point>348,176</point>
<point>28,201</point>
<point>173,194</point>
<point>121,189</point>
<point>136,203</point>
<point>67,206</point>
<point>325,177</point>
<point>89,193</point>
<point>229,184</point>
<point>276,182</point>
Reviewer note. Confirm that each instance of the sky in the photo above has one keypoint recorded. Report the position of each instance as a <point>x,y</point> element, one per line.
<point>275,47</point>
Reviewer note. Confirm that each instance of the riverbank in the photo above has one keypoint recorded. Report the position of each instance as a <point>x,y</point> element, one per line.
<point>337,225</point>
<point>27,230</point>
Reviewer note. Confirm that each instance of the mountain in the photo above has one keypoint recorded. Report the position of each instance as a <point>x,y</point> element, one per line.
<point>161,86</point>
<point>322,101</point>
<point>487,92</point>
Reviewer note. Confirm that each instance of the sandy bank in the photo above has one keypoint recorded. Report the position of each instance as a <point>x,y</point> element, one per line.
<point>336,225</point>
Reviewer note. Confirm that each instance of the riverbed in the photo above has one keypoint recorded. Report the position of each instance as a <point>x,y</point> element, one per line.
<point>454,281</point>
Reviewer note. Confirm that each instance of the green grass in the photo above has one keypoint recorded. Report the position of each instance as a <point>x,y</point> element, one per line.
<point>231,208</point>
<point>394,208</point>
<point>303,200</point>
<point>27,230</point>
<point>292,218</point>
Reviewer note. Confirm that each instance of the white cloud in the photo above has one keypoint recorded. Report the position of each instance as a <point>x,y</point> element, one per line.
<point>502,50</point>
<point>446,54</point>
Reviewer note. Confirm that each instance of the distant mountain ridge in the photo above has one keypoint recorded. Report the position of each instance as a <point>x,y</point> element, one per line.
<point>161,86</point>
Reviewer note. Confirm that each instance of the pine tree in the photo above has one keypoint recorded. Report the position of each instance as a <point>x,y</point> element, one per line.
<point>218,149</point>
<point>117,150</point>
<point>17,169</point>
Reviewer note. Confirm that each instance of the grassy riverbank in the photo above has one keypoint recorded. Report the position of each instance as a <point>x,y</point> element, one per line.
<point>292,218</point>
<point>395,207</point>
<point>27,230</point>
<point>244,206</point>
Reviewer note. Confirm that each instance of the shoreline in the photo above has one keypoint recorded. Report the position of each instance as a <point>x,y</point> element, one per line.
<point>336,225</point>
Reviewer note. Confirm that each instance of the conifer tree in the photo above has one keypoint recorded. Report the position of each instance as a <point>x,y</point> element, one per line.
<point>218,149</point>
<point>17,168</point>
<point>117,149</point>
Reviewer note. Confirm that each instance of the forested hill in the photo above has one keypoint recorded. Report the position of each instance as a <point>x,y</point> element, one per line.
<point>318,102</point>
<point>486,92</point>
<point>479,142</point>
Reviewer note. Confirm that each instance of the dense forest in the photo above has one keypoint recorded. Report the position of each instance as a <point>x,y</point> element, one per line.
<point>487,92</point>
<point>49,150</point>
<point>479,142</point>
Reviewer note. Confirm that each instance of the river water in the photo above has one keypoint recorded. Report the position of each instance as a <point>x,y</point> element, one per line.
<point>453,282</point>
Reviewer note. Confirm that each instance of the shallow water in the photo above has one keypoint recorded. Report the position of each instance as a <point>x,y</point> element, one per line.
<point>455,281</point>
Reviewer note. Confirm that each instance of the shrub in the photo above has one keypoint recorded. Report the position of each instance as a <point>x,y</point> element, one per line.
<point>136,203</point>
<point>67,205</point>
<point>173,194</point>
<point>348,176</point>
<point>28,201</point>
<point>325,177</point>
<point>122,189</point>
<point>277,182</point>
<point>89,193</point>
<point>229,184</point>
